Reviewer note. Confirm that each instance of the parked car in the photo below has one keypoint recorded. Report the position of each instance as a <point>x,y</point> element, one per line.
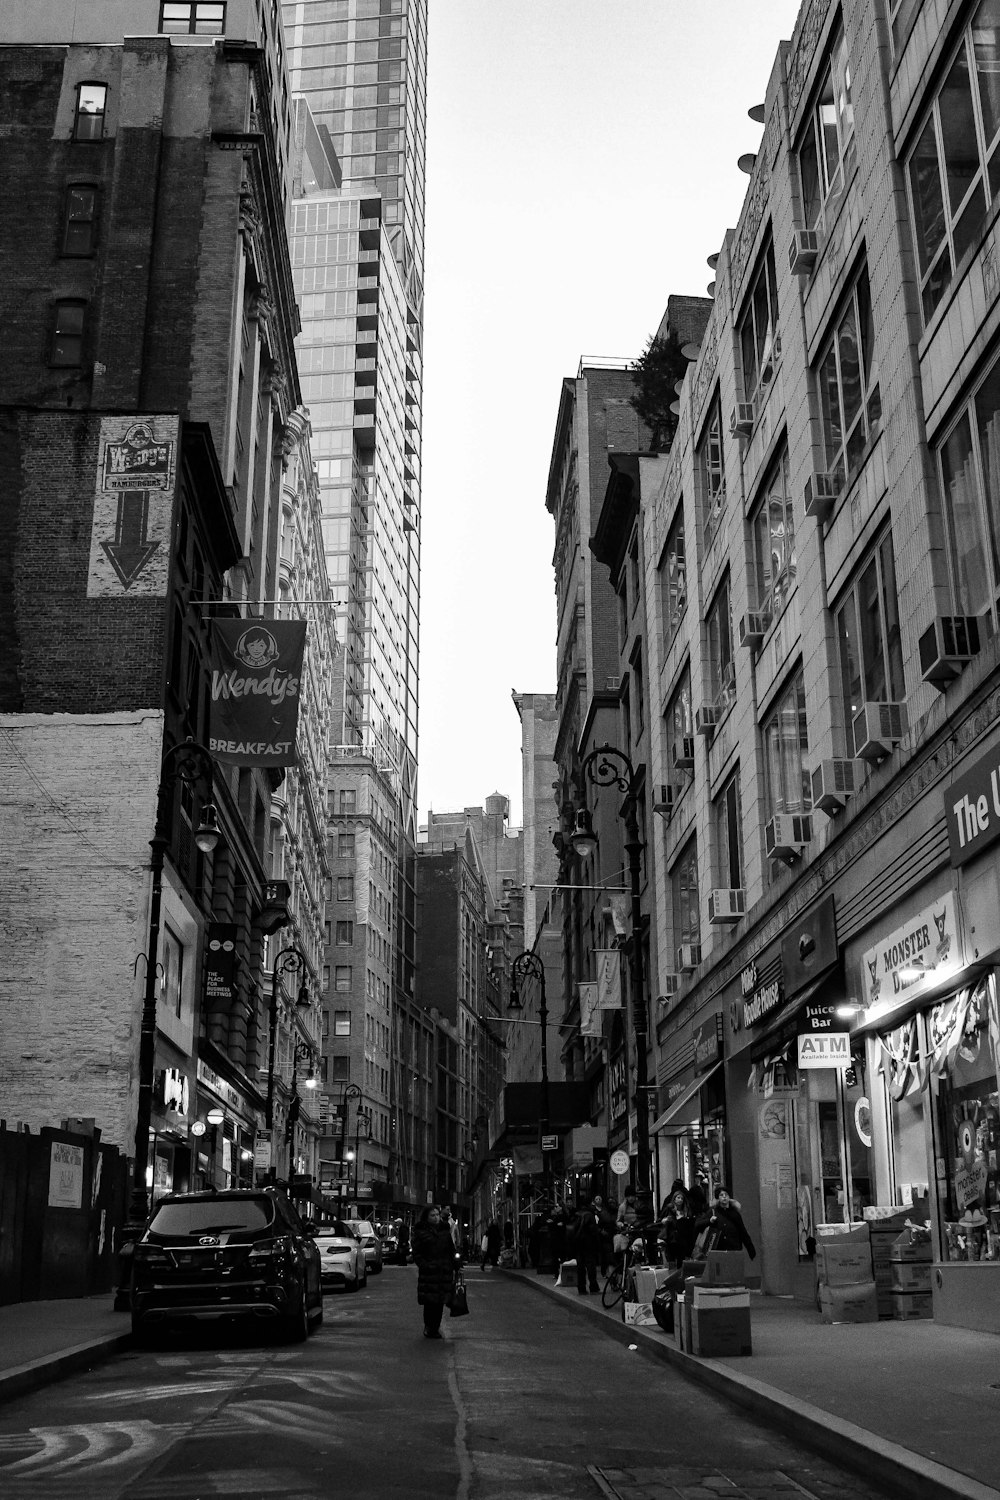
<point>239,1254</point>
<point>342,1256</point>
<point>370,1241</point>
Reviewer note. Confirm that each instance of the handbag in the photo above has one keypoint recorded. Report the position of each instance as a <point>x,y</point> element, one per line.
<point>458,1302</point>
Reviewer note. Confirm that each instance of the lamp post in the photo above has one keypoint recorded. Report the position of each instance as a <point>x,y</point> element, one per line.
<point>290,960</point>
<point>191,764</point>
<point>351,1091</point>
<point>361,1120</point>
<point>523,965</point>
<point>303,1053</point>
<point>609,766</point>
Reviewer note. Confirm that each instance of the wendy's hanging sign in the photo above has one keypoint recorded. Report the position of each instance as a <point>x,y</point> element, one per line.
<point>256,683</point>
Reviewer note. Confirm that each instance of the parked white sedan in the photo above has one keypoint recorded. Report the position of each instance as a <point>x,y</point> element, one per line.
<point>341,1256</point>
<point>365,1231</point>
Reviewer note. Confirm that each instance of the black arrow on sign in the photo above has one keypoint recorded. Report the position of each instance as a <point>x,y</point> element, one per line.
<point>129,553</point>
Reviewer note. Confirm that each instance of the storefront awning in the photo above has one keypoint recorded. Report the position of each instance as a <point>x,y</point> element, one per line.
<point>683,1098</point>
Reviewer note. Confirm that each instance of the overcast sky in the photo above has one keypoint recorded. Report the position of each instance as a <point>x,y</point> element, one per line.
<point>581,167</point>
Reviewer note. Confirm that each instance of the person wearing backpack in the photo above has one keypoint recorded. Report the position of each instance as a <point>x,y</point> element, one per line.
<point>584,1237</point>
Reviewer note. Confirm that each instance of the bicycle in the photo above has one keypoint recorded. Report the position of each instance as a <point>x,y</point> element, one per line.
<point>616,1282</point>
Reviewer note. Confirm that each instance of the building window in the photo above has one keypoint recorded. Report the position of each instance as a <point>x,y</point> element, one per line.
<point>172,983</point>
<point>673,578</point>
<point>91,106</point>
<point>758,328</point>
<point>640,692</point>
<point>201,18</point>
<point>345,845</point>
<point>342,1023</point>
<point>773,531</point>
<point>711,473</point>
<point>953,170</point>
<point>826,151</point>
<point>345,887</point>
<point>677,722</point>
<point>345,934</point>
<point>786,744</point>
<point>79,235</point>
<point>342,978</point>
<point>67,334</point>
<point>347,801</point>
<point>728,835</point>
<point>970,473</point>
<point>848,384</point>
<point>684,897</point>
<point>633,572</point>
<point>871,656</point>
<point>340,1070</point>
<point>720,648</point>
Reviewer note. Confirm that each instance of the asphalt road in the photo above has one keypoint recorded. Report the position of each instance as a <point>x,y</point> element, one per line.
<point>520,1399</point>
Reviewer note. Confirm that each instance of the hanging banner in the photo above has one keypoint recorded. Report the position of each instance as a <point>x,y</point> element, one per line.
<point>256,678</point>
<point>590,1020</point>
<point>133,506</point>
<point>220,965</point>
<point>609,978</point>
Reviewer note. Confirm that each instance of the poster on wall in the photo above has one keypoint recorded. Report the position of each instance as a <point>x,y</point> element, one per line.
<point>256,683</point>
<point>65,1175</point>
<point>133,507</point>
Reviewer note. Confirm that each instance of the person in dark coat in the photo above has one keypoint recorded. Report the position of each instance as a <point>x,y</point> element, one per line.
<point>558,1219</point>
<point>678,1230</point>
<point>436,1259</point>
<point>583,1237</point>
<point>491,1245</point>
<point>726,1226</point>
<point>606,1228</point>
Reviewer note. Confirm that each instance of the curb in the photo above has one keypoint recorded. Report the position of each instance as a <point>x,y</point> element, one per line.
<point>40,1372</point>
<point>842,1442</point>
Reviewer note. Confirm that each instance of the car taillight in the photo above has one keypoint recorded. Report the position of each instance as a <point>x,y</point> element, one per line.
<point>151,1258</point>
<point>270,1250</point>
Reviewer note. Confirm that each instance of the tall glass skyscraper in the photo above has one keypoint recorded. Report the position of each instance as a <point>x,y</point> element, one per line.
<point>359,68</point>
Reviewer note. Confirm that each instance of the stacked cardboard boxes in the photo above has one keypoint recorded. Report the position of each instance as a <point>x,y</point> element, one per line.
<point>844,1270</point>
<point>717,1308</point>
<point>910,1266</point>
<point>885,1226</point>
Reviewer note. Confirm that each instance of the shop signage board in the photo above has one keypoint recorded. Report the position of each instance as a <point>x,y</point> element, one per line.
<point>550,1143</point>
<point>620,1163</point>
<point>809,948</point>
<point>262,1153</point>
<point>931,936</point>
<point>758,1000</point>
<point>609,978</point>
<point>708,1043</point>
<point>228,1094</point>
<point>972,810</point>
<point>65,1175</point>
<point>825,1049</point>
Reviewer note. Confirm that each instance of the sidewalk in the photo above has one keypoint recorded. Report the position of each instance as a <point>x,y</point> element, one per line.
<point>914,1404</point>
<point>42,1341</point>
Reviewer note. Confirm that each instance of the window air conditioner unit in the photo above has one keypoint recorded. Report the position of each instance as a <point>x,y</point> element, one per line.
<point>726,906</point>
<point>947,646</point>
<point>671,988</point>
<point>786,835</point>
<point>802,252</point>
<point>688,957</point>
<point>753,627</point>
<point>742,419</point>
<point>821,495</point>
<point>682,753</point>
<point>667,800</point>
<point>878,729</point>
<point>833,781</point>
<point>707,718</point>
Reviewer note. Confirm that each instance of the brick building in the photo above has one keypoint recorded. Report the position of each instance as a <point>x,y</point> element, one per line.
<point>150,335</point>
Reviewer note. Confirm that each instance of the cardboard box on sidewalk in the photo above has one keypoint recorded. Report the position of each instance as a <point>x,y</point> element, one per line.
<point>682,1321</point>
<point>717,1332</point>
<point>908,1248</point>
<point>843,1233</point>
<point>906,1305</point>
<point>724,1268</point>
<point>910,1275</point>
<point>849,1304</point>
<point>844,1264</point>
<point>721,1296</point>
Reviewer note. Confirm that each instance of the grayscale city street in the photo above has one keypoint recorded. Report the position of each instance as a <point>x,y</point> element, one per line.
<point>519,1399</point>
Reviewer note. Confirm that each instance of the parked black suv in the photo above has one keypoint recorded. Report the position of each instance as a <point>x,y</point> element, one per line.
<point>232,1254</point>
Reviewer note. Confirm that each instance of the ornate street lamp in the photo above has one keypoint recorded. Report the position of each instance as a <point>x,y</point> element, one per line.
<point>531,964</point>
<point>191,764</point>
<point>290,960</point>
<point>608,766</point>
<point>303,1053</point>
<point>351,1091</point>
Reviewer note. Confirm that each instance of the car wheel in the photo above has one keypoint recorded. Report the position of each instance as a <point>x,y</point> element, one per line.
<point>364,1279</point>
<point>377,1268</point>
<point>142,1334</point>
<point>352,1286</point>
<point>318,1316</point>
<point>295,1325</point>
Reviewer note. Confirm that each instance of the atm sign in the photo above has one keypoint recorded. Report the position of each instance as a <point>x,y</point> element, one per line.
<point>825,1049</point>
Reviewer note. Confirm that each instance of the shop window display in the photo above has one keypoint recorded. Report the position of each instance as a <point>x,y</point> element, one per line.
<point>962,1049</point>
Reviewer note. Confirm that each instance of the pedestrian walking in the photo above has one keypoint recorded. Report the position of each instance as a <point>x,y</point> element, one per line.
<point>677,1231</point>
<point>725,1227</point>
<point>583,1237</point>
<point>557,1221</point>
<point>436,1260</point>
<point>606,1229</point>
<point>490,1248</point>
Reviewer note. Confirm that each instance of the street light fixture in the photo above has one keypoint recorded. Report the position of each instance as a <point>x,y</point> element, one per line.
<point>290,960</point>
<point>302,1053</point>
<point>531,964</point>
<point>366,1122</point>
<point>191,764</point>
<point>351,1091</point>
<point>608,766</point>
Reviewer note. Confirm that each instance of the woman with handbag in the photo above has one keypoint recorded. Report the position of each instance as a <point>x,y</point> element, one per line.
<point>436,1261</point>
